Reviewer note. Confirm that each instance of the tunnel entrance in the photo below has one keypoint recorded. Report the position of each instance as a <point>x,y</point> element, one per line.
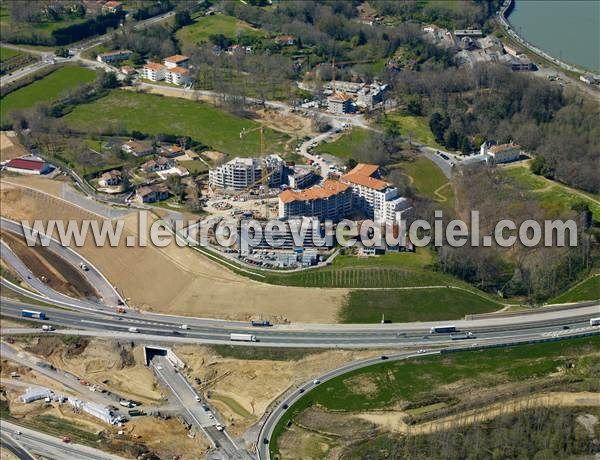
<point>150,351</point>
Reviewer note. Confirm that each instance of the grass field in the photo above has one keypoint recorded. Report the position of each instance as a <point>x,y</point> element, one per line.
<point>345,145</point>
<point>427,178</point>
<point>402,306</point>
<point>7,53</point>
<point>47,89</point>
<point>420,381</point>
<point>154,114</point>
<point>206,26</point>
<point>588,289</point>
<point>388,271</point>
<point>414,128</point>
<point>554,197</point>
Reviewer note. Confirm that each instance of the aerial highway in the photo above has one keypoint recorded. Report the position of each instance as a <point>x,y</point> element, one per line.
<point>48,446</point>
<point>278,410</point>
<point>168,328</point>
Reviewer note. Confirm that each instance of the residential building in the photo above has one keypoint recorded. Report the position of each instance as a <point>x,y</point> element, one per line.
<point>113,56</point>
<point>152,193</point>
<point>177,75</point>
<point>331,200</point>
<point>172,151</point>
<point>340,103</point>
<point>160,164</point>
<point>128,70</point>
<point>285,40</point>
<point>245,173</point>
<point>154,71</point>
<point>28,165</point>
<point>299,177</point>
<point>504,153</point>
<point>136,148</point>
<point>110,178</point>
<point>370,95</point>
<point>112,7</point>
<point>377,198</point>
<point>176,60</point>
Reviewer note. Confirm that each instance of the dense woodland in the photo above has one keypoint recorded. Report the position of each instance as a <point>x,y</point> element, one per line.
<point>539,434</point>
<point>467,106</point>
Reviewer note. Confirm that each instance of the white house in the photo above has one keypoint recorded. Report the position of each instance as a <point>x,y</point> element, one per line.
<point>502,153</point>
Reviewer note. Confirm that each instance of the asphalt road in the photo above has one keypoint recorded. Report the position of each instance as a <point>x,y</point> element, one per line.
<point>108,294</point>
<point>48,58</point>
<point>50,446</point>
<point>202,420</point>
<point>278,412</point>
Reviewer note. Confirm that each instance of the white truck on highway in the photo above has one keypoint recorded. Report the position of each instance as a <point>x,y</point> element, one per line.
<point>133,329</point>
<point>47,328</point>
<point>242,337</point>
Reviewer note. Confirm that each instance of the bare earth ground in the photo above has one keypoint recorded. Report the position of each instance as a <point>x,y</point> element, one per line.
<point>254,384</point>
<point>172,279</point>
<point>10,146</point>
<point>395,421</point>
<point>99,361</point>
<point>61,276</point>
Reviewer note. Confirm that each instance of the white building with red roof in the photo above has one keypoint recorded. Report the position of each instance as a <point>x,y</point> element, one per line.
<point>27,165</point>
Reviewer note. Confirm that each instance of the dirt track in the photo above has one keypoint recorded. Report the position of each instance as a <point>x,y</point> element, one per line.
<point>395,421</point>
<point>61,275</point>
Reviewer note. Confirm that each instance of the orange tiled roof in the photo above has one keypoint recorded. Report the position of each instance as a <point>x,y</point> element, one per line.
<point>179,70</point>
<point>362,174</point>
<point>326,190</point>
<point>176,58</point>
<point>154,66</point>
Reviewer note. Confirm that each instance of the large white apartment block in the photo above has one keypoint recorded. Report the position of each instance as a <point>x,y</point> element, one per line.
<point>245,173</point>
<point>377,198</point>
<point>177,76</point>
<point>154,71</point>
<point>330,200</point>
<point>174,69</point>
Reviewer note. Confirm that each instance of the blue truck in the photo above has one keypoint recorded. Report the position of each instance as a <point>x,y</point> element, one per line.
<point>263,323</point>
<point>33,314</point>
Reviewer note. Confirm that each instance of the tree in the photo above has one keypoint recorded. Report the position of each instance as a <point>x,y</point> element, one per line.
<point>540,166</point>
<point>437,126</point>
<point>182,18</point>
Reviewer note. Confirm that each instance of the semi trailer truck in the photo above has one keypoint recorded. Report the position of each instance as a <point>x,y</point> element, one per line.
<point>242,337</point>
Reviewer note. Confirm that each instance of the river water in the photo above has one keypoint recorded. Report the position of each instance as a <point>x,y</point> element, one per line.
<point>566,29</point>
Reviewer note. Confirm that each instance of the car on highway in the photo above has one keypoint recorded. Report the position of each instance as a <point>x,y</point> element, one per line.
<point>205,407</point>
<point>285,406</point>
<point>219,427</point>
<point>383,357</point>
<point>301,390</point>
<point>197,398</point>
<point>17,433</point>
<point>316,381</point>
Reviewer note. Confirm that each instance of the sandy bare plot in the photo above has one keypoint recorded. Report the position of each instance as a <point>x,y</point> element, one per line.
<point>395,420</point>
<point>177,280</point>
<point>254,384</point>
<point>10,146</point>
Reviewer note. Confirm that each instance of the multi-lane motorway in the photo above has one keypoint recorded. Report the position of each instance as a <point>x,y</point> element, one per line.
<point>88,317</point>
<point>27,442</point>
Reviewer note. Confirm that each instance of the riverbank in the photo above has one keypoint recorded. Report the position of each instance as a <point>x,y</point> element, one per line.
<point>503,19</point>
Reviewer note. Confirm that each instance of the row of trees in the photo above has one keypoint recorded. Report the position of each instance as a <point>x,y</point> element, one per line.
<point>537,433</point>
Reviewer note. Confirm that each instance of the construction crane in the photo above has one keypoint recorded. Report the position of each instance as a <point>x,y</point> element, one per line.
<point>264,173</point>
